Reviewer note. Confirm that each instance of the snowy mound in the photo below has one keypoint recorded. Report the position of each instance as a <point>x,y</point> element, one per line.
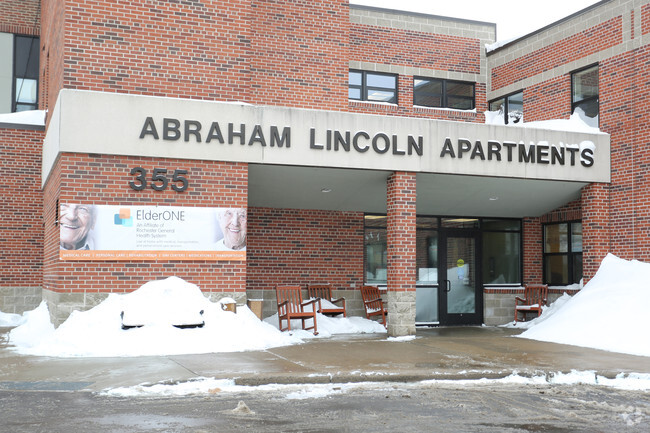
<point>161,310</point>
<point>609,313</point>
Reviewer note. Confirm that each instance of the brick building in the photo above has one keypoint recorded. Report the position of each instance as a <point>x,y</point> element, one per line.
<point>349,143</point>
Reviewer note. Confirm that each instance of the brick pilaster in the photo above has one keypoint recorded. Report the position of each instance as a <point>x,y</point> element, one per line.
<point>401,234</point>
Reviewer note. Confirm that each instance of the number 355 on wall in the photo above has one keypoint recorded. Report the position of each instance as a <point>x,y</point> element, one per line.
<point>159,180</point>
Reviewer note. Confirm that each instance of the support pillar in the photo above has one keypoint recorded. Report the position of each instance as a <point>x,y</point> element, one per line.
<point>595,227</point>
<point>401,234</point>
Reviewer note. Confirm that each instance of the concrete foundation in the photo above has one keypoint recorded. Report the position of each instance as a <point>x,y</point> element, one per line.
<point>401,313</point>
<point>17,300</point>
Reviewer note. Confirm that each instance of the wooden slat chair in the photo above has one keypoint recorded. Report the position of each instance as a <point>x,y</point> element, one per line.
<point>324,292</point>
<point>535,297</point>
<point>373,303</point>
<point>291,306</point>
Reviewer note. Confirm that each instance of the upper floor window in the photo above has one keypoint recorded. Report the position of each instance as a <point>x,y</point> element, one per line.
<point>511,107</point>
<point>584,92</point>
<point>434,92</point>
<point>372,86</point>
<point>25,85</point>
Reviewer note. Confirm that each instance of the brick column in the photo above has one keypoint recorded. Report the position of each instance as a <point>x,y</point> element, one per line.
<point>533,249</point>
<point>401,231</point>
<point>595,227</point>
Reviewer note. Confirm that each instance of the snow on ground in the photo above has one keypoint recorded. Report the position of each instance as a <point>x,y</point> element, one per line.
<point>609,313</point>
<point>203,385</point>
<point>158,305</point>
<point>11,320</point>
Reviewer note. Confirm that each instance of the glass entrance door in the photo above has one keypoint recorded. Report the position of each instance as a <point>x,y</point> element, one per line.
<point>460,293</point>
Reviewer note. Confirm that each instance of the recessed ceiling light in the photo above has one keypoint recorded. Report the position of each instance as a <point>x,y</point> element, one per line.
<point>494,198</point>
<point>326,190</point>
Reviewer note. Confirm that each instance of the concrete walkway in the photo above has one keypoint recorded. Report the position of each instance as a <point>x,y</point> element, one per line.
<point>436,353</point>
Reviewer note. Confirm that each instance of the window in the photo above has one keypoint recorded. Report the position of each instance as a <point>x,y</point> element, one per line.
<point>501,248</point>
<point>563,253</point>
<point>511,107</point>
<point>376,250</point>
<point>584,92</point>
<point>26,52</point>
<point>372,86</point>
<point>501,251</point>
<point>433,92</point>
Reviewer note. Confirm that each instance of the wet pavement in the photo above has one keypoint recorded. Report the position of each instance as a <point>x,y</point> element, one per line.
<point>435,353</point>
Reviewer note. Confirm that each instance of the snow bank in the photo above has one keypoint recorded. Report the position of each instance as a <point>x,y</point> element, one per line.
<point>11,320</point>
<point>158,306</point>
<point>609,313</point>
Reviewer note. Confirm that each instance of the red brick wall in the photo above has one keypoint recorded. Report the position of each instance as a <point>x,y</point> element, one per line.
<point>401,231</point>
<point>548,100</point>
<point>276,53</point>
<point>571,211</point>
<point>533,249</point>
<point>52,52</point>
<point>300,53</point>
<point>20,17</point>
<point>645,19</point>
<point>595,39</point>
<point>188,49</point>
<point>293,246</point>
<point>99,179</point>
<point>624,116</point>
<point>21,223</point>
<point>396,47</point>
<point>596,235</point>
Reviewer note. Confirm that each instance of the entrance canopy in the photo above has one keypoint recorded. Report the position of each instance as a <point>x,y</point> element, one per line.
<point>437,194</point>
<point>321,159</point>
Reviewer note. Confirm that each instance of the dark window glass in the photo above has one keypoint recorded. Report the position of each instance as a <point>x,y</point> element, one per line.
<point>556,238</point>
<point>563,253</point>
<point>460,223</point>
<point>511,107</point>
<point>556,269</point>
<point>372,86</point>
<point>501,246</point>
<point>432,92</point>
<point>26,53</point>
<point>501,224</point>
<point>501,257</point>
<point>584,91</point>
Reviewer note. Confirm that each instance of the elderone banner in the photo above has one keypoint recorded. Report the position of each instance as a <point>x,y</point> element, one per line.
<point>108,232</point>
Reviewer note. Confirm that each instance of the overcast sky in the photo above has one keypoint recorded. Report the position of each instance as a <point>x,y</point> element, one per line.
<point>513,17</point>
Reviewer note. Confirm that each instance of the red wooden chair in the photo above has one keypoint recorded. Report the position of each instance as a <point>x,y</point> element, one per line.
<point>291,306</point>
<point>324,292</point>
<point>535,297</point>
<point>373,303</point>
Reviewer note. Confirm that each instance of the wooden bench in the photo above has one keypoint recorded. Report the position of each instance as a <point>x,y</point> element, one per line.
<point>324,292</point>
<point>535,297</point>
<point>291,306</point>
<point>373,303</point>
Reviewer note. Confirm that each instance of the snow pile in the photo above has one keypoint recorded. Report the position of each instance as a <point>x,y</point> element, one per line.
<point>609,313</point>
<point>159,305</point>
<point>203,385</point>
<point>11,320</point>
<point>578,122</point>
<point>31,117</point>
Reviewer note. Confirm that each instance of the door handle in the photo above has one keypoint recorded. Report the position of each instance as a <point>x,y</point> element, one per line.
<point>447,287</point>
